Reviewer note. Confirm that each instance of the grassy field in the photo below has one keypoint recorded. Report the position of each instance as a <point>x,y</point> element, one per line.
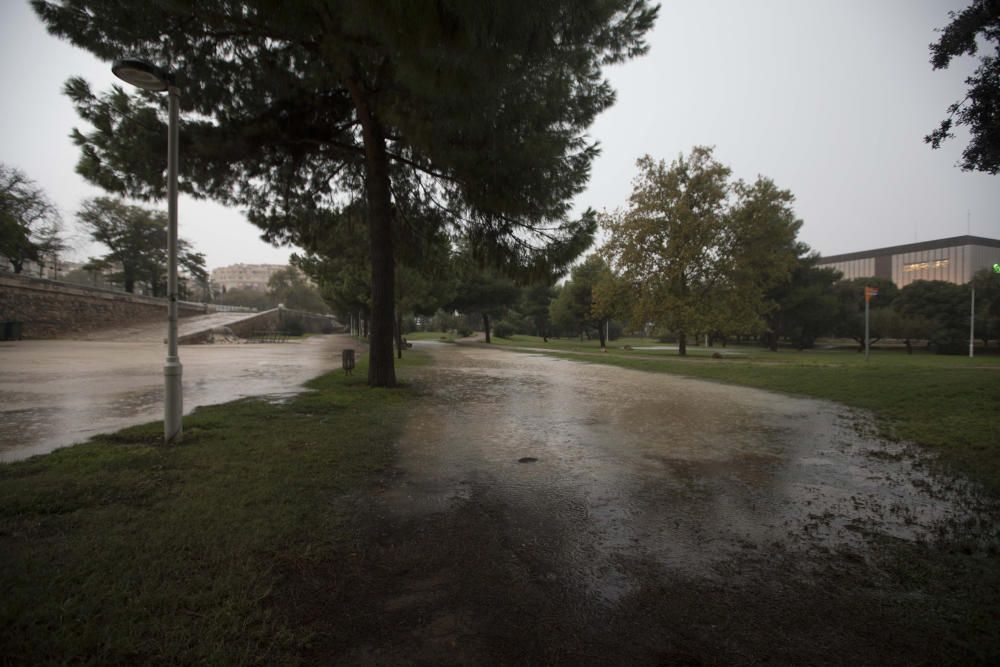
<point>120,551</point>
<point>949,404</point>
<point>445,336</point>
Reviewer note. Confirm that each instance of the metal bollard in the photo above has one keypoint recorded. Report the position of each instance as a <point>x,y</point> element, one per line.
<point>347,357</point>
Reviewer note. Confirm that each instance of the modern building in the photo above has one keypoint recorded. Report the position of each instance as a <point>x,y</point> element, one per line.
<point>953,259</point>
<point>244,276</point>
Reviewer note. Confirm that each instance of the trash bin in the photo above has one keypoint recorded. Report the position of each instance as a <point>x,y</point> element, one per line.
<point>12,330</point>
<point>348,360</point>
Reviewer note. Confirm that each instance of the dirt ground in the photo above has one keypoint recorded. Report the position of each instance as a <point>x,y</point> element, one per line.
<point>552,512</point>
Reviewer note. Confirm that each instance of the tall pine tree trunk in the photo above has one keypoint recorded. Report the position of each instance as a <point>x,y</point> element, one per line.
<point>381,372</point>
<point>486,327</point>
<point>600,333</point>
<point>682,344</point>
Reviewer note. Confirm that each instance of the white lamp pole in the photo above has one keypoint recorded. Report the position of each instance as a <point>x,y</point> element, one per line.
<point>149,77</point>
<point>972,325</point>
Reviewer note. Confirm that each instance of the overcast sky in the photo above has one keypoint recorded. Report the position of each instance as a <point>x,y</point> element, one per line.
<point>831,99</point>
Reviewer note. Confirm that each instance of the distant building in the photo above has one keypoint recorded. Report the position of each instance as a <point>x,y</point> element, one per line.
<point>244,276</point>
<point>953,259</point>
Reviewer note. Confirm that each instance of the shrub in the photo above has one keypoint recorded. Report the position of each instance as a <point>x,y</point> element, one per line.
<point>294,326</point>
<point>503,329</point>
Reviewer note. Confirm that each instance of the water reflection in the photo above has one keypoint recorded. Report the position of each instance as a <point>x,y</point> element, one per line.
<point>635,465</point>
<point>56,393</point>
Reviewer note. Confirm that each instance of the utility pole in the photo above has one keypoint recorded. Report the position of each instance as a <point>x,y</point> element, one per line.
<point>869,293</point>
<point>972,325</point>
<point>866,323</point>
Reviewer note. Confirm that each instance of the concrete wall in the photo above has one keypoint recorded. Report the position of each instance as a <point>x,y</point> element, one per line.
<point>50,309</point>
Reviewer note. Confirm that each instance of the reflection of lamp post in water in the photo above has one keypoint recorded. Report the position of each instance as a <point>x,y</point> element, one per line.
<point>150,77</point>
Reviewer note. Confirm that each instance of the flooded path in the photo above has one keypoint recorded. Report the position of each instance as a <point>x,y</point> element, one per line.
<point>552,511</point>
<point>58,392</point>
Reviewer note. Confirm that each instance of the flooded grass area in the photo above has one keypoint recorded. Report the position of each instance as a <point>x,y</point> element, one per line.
<point>947,404</point>
<point>502,509</point>
<point>579,514</point>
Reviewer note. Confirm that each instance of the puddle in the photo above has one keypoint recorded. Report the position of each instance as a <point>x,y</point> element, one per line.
<point>684,473</point>
<point>56,393</point>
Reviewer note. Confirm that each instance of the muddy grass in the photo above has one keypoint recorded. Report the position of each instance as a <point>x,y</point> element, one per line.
<point>464,587</point>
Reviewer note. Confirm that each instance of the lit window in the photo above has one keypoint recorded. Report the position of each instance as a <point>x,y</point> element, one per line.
<point>940,263</point>
<point>915,266</point>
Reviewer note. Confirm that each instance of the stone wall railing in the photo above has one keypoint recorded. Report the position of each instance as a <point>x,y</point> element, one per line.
<point>50,309</point>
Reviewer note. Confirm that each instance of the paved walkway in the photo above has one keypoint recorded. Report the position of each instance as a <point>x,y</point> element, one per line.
<point>545,511</point>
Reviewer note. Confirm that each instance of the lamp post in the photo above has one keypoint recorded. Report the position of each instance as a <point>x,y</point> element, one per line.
<point>150,77</point>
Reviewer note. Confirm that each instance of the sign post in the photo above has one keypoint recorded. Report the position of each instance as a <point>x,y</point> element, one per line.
<point>869,293</point>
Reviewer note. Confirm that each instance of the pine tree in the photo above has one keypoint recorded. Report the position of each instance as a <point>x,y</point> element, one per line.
<point>287,104</point>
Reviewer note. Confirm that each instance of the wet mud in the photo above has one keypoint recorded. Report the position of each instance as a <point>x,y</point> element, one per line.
<point>55,393</point>
<point>552,512</point>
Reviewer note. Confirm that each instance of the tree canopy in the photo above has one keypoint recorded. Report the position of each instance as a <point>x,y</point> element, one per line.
<point>289,105</point>
<point>701,252</point>
<point>979,110</point>
<point>575,310</point>
<point>30,223</point>
<point>136,239</point>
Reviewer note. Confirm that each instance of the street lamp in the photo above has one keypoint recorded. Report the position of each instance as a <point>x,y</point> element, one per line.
<point>150,77</point>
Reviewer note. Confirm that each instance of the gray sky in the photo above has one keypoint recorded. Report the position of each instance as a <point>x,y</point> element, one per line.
<point>830,99</point>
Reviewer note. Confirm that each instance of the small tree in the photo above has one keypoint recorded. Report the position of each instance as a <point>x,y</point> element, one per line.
<point>893,323</point>
<point>850,322</point>
<point>805,304</point>
<point>534,304</point>
<point>289,287</point>
<point>482,290</point>
<point>987,285</point>
<point>667,242</point>
<point>136,239</point>
<point>944,304</point>
<point>30,225</point>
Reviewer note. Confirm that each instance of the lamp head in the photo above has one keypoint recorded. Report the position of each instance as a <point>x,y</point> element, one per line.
<point>142,74</point>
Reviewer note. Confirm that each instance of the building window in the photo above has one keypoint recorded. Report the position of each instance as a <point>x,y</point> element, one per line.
<point>920,266</point>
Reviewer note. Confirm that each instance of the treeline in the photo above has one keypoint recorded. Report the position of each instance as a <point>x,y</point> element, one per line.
<point>32,234</point>
<point>694,254</point>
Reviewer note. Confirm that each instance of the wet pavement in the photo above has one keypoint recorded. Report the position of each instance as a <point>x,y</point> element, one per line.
<point>58,392</point>
<point>551,511</point>
<point>686,471</point>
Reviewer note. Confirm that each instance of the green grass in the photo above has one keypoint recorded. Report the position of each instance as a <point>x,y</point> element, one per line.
<point>432,335</point>
<point>123,551</point>
<point>948,404</point>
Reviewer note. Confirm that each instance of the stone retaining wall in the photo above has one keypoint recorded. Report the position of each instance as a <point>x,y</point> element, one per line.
<point>50,309</point>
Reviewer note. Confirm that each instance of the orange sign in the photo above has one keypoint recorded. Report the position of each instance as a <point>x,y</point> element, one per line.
<point>870,292</point>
